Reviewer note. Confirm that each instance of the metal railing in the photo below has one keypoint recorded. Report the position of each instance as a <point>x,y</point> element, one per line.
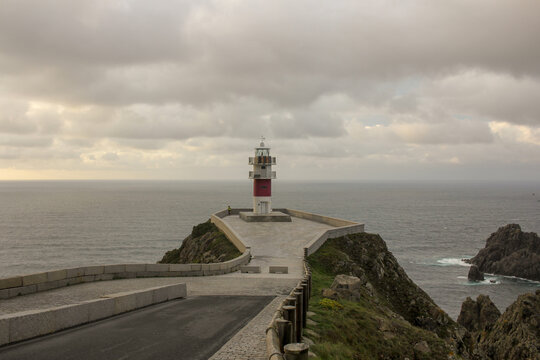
<point>262,174</point>
<point>262,160</point>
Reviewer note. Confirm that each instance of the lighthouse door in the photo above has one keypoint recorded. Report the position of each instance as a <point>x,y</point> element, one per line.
<point>264,207</point>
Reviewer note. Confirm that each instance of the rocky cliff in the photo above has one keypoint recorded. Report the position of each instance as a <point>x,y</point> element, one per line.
<point>510,251</point>
<point>478,316</point>
<point>206,244</point>
<point>512,335</point>
<point>381,313</point>
<point>516,334</point>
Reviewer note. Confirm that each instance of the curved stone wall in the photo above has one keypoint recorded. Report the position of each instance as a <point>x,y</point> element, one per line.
<point>319,240</point>
<point>27,284</point>
<point>230,233</point>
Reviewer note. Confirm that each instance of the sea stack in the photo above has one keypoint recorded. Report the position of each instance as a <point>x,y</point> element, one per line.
<point>510,251</point>
<point>475,274</point>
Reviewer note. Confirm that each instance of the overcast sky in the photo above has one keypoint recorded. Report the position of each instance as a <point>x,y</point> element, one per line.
<point>342,90</point>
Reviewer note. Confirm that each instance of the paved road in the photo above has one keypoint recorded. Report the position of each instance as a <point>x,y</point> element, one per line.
<point>196,328</point>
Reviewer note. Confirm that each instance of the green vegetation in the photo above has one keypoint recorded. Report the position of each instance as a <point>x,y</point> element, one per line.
<point>330,304</point>
<point>364,329</point>
<point>203,228</point>
<point>171,257</point>
<point>223,247</point>
<point>206,244</point>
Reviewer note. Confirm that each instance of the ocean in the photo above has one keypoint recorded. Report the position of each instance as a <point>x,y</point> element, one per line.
<point>428,226</point>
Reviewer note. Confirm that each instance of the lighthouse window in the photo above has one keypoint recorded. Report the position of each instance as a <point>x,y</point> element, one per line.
<point>263,187</point>
<point>263,167</point>
<point>262,152</point>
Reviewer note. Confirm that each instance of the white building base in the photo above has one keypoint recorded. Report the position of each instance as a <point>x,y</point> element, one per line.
<point>262,205</point>
<point>274,216</point>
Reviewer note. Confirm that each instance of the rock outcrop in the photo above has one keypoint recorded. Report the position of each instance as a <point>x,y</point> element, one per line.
<point>347,287</point>
<point>475,274</point>
<point>392,310</point>
<point>510,251</point>
<point>479,315</point>
<point>206,244</point>
<point>516,333</point>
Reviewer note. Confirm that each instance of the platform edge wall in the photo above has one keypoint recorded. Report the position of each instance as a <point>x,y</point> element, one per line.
<point>29,324</point>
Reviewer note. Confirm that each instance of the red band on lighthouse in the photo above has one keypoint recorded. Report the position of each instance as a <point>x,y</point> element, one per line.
<point>262,187</point>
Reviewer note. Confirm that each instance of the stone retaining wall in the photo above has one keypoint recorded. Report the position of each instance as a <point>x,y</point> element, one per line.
<point>28,284</point>
<point>230,233</point>
<point>317,218</point>
<point>29,324</point>
<point>319,240</point>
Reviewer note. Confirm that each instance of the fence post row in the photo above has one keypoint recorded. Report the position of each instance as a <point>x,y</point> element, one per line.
<point>293,311</point>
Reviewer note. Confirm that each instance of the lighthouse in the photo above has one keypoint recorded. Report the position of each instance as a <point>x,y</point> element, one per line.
<point>262,175</point>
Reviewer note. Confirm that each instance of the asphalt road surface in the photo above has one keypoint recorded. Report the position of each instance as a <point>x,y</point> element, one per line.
<point>192,328</point>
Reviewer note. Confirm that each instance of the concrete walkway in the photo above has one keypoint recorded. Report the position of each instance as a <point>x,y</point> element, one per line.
<point>196,286</point>
<point>271,244</point>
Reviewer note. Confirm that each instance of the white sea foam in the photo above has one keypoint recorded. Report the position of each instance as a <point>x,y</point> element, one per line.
<point>487,281</point>
<point>452,262</point>
<point>518,279</point>
<point>495,279</point>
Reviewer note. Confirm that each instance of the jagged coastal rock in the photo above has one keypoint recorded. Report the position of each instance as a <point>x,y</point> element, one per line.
<point>475,274</point>
<point>206,244</point>
<point>516,333</point>
<point>479,315</point>
<point>512,335</point>
<point>380,305</point>
<point>510,251</point>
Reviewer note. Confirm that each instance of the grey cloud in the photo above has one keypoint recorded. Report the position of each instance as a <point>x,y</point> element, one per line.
<point>25,141</point>
<point>244,118</point>
<point>491,95</point>
<point>110,156</point>
<point>17,117</point>
<point>306,124</point>
<point>97,32</point>
<point>286,53</point>
<point>177,83</point>
<point>144,144</point>
<point>13,118</point>
<point>449,132</point>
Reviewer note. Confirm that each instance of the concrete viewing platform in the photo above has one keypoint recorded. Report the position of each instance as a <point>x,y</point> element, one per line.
<point>280,243</point>
<point>277,250</point>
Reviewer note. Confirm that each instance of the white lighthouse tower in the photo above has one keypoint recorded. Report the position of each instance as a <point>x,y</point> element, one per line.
<point>262,175</point>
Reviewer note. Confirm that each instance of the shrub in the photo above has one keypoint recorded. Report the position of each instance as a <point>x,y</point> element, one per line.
<point>330,304</point>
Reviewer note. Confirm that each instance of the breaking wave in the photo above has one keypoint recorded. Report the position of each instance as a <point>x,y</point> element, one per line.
<point>452,262</point>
